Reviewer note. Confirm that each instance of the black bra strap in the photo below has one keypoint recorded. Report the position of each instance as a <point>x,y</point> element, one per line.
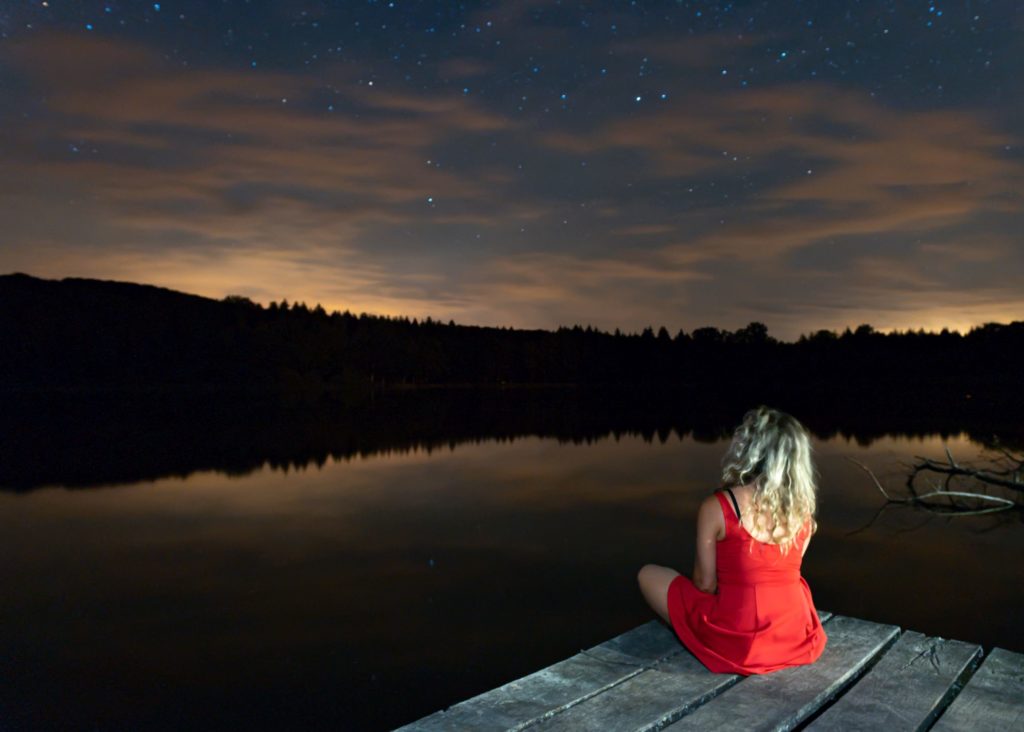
<point>734,504</point>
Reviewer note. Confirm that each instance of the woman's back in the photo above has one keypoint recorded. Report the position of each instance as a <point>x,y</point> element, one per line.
<point>747,608</point>
<point>763,616</point>
<point>742,559</point>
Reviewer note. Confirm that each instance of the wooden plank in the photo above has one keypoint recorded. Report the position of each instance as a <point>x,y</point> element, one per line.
<point>993,698</point>
<point>559,686</point>
<point>907,689</point>
<point>649,699</point>
<point>644,643</point>
<point>781,700</point>
<point>562,685</point>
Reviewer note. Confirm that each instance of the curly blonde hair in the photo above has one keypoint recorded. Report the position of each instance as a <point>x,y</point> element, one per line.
<point>773,450</point>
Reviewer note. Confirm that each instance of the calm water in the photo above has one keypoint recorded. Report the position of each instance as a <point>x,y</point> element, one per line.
<point>365,589</point>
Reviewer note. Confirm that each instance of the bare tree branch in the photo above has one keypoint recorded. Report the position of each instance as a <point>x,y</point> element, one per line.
<point>952,470</point>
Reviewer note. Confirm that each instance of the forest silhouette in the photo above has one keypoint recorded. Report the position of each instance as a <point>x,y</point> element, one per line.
<point>106,383</point>
<point>84,440</point>
<point>92,334</point>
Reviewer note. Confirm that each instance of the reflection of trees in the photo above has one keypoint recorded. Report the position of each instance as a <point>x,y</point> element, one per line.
<point>53,439</point>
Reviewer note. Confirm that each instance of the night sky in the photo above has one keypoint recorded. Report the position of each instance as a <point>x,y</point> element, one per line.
<point>530,164</point>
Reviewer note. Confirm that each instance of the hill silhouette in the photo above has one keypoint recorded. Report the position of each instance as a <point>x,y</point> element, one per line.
<point>79,333</point>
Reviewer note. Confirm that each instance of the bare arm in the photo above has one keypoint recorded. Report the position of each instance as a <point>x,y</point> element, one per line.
<point>710,528</point>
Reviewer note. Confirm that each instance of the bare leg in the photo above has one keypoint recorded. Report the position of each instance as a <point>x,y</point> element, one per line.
<point>654,581</point>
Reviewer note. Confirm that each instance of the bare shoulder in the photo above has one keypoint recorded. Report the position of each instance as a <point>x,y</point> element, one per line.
<point>709,516</point>
<point>710,504</point>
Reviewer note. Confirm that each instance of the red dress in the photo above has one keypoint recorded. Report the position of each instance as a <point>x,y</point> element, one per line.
<point>762,618</point>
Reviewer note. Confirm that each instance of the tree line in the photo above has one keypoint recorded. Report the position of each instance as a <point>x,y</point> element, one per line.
<point>89,333</point>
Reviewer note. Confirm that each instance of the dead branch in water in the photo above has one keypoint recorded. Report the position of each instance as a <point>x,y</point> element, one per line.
<point>1005,471</point>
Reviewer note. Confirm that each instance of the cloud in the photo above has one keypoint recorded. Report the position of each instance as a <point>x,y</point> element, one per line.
<point>462,67</point>
<point>546,290</point>
<point>813,203</point>
<point>856,169</point>
<point>207,180</point>
<point>233,126</point>
<point>900,170</point>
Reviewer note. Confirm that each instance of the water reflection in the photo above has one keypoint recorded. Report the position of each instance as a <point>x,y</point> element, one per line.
<point>88,441</point>
<point>369,587</point>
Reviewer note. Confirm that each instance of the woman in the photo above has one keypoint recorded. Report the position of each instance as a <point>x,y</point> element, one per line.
<point>747,610</point>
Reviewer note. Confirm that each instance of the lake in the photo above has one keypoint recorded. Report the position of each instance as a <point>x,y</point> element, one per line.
<point>208,567</point>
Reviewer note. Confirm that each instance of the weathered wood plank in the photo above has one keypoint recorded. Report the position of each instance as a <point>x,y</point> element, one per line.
<point>651,698</point>
<point>906,690</point>
<point>993,698</point>
<point>560,686</point>
<point>781,700</point>
<point>644,643</point>
<point>533,697</point>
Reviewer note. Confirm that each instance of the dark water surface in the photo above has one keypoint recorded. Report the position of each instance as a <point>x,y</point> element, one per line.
<point>300,569</point>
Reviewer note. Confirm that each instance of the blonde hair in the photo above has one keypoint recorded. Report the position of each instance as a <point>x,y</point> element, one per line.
<point>773,450</point>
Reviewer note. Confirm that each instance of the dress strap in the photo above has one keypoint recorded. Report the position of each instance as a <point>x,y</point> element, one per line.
<point>734,503</point>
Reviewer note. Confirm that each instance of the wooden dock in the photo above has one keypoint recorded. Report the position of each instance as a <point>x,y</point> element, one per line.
<point>871,676</point>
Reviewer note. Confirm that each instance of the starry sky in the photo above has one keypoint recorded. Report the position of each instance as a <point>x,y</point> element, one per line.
<point>527,163</point>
